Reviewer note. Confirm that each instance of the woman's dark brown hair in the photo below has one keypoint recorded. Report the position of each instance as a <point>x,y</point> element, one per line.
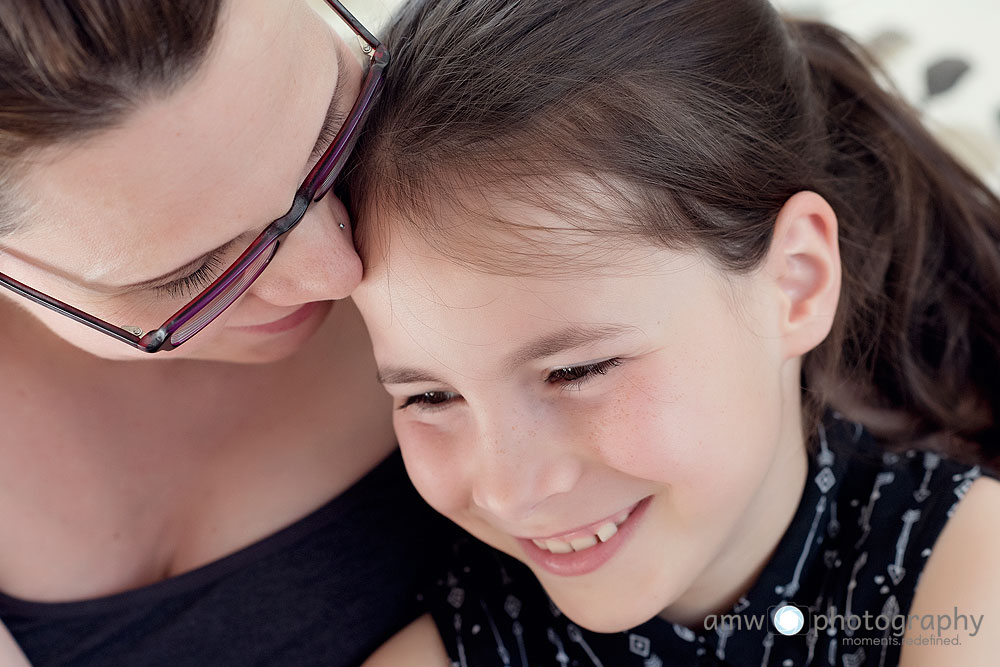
<point>701,118</point>
<point>72,67</point>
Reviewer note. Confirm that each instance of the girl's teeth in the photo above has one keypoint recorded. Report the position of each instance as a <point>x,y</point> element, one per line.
<point>558,546</point>
<point>604,533</point>
<point>581,543</point>
<point>607,531</point>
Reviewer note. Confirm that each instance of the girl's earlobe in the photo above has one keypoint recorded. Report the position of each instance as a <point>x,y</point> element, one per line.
<point>804,263</point>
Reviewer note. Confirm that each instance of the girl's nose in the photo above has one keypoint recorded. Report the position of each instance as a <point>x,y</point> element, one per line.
<point>315,262</point>
<point>518,471</point>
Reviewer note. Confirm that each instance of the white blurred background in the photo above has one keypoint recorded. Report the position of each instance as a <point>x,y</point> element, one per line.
<point>944,57</point>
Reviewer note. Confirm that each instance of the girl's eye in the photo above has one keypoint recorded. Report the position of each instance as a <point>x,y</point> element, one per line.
<point>190,285</point>
<point>575,376</point>
<point>429,400</point>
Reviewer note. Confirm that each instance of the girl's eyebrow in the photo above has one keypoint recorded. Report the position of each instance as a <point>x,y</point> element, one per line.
<point>402,375</point>
<point>544,346</point>
<point>568,338</point>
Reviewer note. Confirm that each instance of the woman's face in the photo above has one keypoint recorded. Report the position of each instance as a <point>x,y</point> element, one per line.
<point>125,224</point>
<point>624,400</point>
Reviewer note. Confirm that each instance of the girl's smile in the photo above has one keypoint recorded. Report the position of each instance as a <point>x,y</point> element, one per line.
<point>583,551</point>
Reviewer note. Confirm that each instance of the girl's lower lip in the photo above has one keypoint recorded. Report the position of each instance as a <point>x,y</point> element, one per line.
<point>583,562</point>
<point>291,321</point>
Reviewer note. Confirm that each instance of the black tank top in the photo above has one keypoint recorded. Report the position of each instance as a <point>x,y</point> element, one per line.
<point>327,590</point>
<point>866,524</point>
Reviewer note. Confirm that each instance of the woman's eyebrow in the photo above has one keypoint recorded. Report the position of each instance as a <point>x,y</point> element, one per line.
<point>334,116</point>
<point>180,272</point>
<point>331,125</point>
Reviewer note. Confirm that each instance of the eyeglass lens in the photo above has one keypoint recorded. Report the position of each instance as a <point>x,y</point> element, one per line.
<point>226,297</point>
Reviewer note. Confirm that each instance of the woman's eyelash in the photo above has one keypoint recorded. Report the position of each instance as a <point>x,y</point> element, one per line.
<point>188,286</point>
<point>573,377</point>
<point>327,133</point>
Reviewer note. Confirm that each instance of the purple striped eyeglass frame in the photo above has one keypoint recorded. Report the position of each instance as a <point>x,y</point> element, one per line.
<point>235,280</point>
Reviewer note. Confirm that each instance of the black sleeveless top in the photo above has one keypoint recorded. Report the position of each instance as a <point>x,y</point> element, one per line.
<point>864,528</point>
<point>327,590</point>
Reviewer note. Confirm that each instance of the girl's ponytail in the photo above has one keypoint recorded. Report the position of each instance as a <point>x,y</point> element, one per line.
<point>915,353</point>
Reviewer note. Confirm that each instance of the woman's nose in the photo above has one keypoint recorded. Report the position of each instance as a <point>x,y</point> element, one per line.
<point>519,469</point>
<point>316,260</point>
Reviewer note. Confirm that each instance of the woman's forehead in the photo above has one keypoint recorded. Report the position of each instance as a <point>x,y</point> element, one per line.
<point>221,154</point>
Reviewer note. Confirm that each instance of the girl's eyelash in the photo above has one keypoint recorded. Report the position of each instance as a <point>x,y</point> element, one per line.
<point>429,400</point>
<point>574,377</point>
<point>188,286</point>
<point>570,377</point>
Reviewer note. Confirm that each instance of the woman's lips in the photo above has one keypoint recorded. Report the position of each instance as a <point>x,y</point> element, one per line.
<point>584,550</point>
<point>290,321</point>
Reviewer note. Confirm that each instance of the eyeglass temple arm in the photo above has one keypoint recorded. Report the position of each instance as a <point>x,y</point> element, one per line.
<point>62,308</point>
<point>355,24</point>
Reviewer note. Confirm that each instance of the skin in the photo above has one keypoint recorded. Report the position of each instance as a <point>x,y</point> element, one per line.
<point>701,416</point>
<point>115,474</point>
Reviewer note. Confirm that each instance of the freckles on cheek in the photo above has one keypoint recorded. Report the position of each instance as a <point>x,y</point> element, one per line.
<point>648,432</point>
<point>627,429</point>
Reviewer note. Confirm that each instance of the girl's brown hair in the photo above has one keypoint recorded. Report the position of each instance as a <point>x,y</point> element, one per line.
<point>702,117</point>
<point>72,67</point>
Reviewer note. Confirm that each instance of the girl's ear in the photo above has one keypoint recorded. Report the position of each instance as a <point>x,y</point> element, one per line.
<point>803,263</point>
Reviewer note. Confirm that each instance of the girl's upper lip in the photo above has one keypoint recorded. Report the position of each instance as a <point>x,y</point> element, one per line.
<point>588,528</point>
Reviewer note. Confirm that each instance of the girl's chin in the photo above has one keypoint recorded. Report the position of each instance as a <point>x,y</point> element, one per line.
<point>614,612</point>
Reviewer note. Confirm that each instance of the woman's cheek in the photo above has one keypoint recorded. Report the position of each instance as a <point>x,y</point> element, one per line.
<point>432,459</point>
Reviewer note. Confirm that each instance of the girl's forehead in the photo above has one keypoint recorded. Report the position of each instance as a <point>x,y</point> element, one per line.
<point>188,170</point>
<point>550,232</point>
<point>417,283</point>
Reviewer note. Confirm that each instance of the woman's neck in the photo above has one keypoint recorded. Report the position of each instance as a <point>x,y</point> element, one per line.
<point>180,462</point>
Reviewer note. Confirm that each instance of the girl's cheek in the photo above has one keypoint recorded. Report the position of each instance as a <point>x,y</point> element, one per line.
<point>649,432</point>
<point>433,462</point>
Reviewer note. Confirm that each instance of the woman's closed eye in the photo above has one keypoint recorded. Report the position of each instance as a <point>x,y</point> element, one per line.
<point>193,283</point>
<point>574,377</point>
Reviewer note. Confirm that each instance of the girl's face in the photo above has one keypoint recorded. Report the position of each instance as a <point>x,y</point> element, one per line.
<point>202,168</point>
<point>628,427</point>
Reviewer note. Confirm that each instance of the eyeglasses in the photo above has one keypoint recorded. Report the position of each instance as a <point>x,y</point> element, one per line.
<point>235,280</point>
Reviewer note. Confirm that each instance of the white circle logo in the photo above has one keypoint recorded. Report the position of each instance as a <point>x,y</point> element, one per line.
<point>788,620</point>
